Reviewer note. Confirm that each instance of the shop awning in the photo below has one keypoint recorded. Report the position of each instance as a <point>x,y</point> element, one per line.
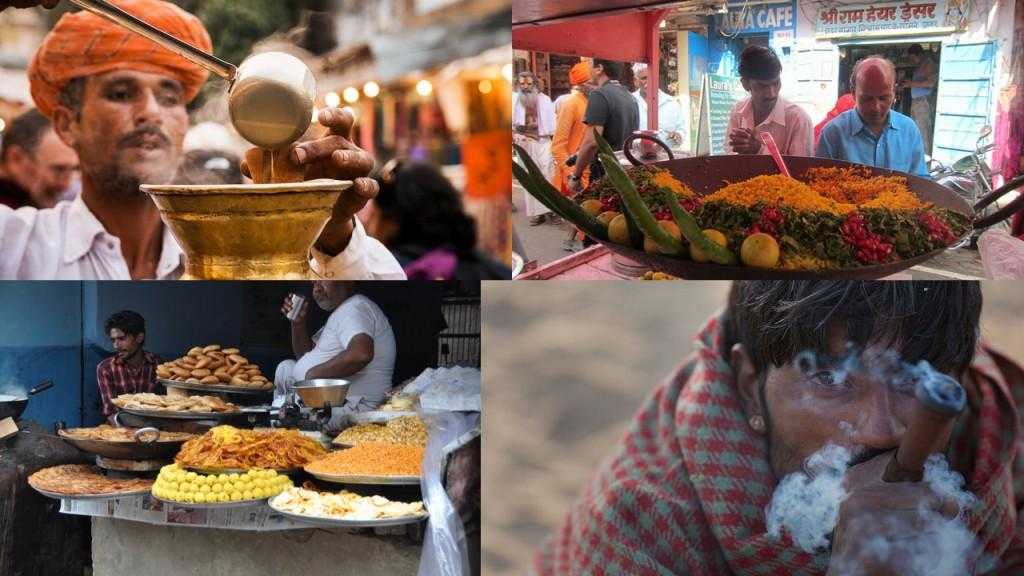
<point>530,12</point>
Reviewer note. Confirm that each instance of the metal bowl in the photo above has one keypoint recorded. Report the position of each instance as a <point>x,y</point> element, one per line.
<point>321,391</point>
<point>247,231</point>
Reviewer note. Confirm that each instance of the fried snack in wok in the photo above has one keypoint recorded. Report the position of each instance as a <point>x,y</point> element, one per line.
<point>213,365</point>
<point>84,480</point>
<point>155,402</point>
<point>227,447</point>
<point>109,433</point>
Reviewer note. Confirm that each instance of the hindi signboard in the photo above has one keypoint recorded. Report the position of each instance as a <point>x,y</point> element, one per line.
<point>885,16</point>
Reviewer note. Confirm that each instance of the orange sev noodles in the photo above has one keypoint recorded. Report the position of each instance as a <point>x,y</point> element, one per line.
<point>230,447</point>
<point>776,189</point>
<point>834,190</point>
<point>372,459</point>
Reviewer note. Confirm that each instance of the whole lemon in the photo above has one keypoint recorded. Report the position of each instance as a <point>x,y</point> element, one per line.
<point>668,226</point>
<point>606,217</point>
<point>592,207</point>
<point>618,231</point>
<point>715,236</point>
<point>760,251</point>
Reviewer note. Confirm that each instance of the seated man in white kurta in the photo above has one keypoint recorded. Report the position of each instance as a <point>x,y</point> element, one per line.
<point>355,344</point>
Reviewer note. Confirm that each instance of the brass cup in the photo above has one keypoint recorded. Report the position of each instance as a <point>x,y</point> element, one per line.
<point>247,231</point>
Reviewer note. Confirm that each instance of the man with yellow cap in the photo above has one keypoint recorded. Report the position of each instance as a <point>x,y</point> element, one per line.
<point>119,100</point>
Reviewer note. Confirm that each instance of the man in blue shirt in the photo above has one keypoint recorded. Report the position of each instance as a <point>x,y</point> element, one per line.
<point>871,133</point>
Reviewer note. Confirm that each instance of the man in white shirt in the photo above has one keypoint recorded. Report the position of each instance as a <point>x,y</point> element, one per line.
<point>356,344</point>
<point>673,127</point>
<point>119,101</point>
<point>533,124</point>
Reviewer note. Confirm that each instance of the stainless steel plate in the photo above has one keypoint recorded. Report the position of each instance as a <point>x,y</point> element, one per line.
<point>363,479</point>
<point>221,388</point>
<point>180,415</point>
<point>113,496</point>
<point>338,523</point>
<point>218,505</point>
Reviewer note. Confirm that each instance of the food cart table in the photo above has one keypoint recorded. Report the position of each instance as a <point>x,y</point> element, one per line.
<point>598,263</point>
<point>140,535</point>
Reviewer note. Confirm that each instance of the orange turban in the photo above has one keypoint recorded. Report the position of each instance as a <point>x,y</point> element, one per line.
<point>84,44</point>
<point>579,74</point>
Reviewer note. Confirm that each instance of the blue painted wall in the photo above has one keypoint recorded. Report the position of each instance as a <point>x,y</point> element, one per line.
<point>40,338</point>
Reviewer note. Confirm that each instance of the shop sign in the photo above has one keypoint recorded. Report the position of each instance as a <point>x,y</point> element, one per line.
<point>762,17</point>
<point>895,16</point>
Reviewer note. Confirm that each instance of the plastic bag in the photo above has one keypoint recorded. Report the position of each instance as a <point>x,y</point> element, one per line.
<point>1002,255</point>
<point>452,389</point>
<point>445,552</point>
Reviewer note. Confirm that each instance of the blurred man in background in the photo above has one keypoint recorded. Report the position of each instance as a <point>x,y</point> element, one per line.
<point>672,128</point>
<point>533,124</point>
<point>36,168</point>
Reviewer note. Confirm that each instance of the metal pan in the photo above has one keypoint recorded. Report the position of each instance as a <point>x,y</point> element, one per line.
<point>110,496</point>
<point>220,389</point>
<point>158,414</point>
<point>215,506</point>
<point>13,406</point>
<point>339,523</point>
<point>706,174</point>
<point>140,450</point>
<point>366,479</point>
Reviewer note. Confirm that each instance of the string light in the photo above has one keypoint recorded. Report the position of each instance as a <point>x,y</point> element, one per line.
<point>332,99</point>
<point>371,89</point>
<point>351,95</point>
<point>485,86</point>
<point>424,87</point>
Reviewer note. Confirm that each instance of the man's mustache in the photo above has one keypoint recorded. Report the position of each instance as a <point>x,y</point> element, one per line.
<point>136,137</point>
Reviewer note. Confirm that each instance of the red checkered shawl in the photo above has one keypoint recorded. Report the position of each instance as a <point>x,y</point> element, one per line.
<point>687,489</point>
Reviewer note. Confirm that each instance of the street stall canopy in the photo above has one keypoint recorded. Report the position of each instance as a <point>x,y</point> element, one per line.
<point>531,12</point>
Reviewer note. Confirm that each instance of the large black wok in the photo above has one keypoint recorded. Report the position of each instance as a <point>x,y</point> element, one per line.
<point>706,174</point>
<point>13,406</point>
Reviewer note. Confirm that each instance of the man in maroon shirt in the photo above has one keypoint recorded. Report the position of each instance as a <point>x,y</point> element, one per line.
<point>132,369</point>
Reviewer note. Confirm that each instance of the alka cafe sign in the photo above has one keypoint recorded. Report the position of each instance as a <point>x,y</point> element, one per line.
<point>753,18</point>
<point>895,16</point>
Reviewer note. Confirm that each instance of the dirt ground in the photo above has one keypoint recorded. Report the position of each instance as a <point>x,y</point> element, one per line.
<point>568,364</point>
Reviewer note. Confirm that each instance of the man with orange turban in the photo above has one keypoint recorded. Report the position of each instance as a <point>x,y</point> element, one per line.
<point>119,100</point>
<point>569,126</point>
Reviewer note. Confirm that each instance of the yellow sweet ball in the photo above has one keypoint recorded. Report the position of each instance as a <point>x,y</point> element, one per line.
<point>200,498</point>
<point>205,489</point>
<point>236,495</point>
<point>222,478</point>
<point>248,495</point>
<point>191,476</point>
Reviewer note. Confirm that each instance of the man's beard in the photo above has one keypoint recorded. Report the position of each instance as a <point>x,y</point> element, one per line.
<point>115,184</point>
<point>529,100</point>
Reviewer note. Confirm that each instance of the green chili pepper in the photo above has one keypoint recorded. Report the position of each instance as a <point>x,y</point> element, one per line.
<point>692,232</point>
<point>634,204</point>
<point>538,186</point>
